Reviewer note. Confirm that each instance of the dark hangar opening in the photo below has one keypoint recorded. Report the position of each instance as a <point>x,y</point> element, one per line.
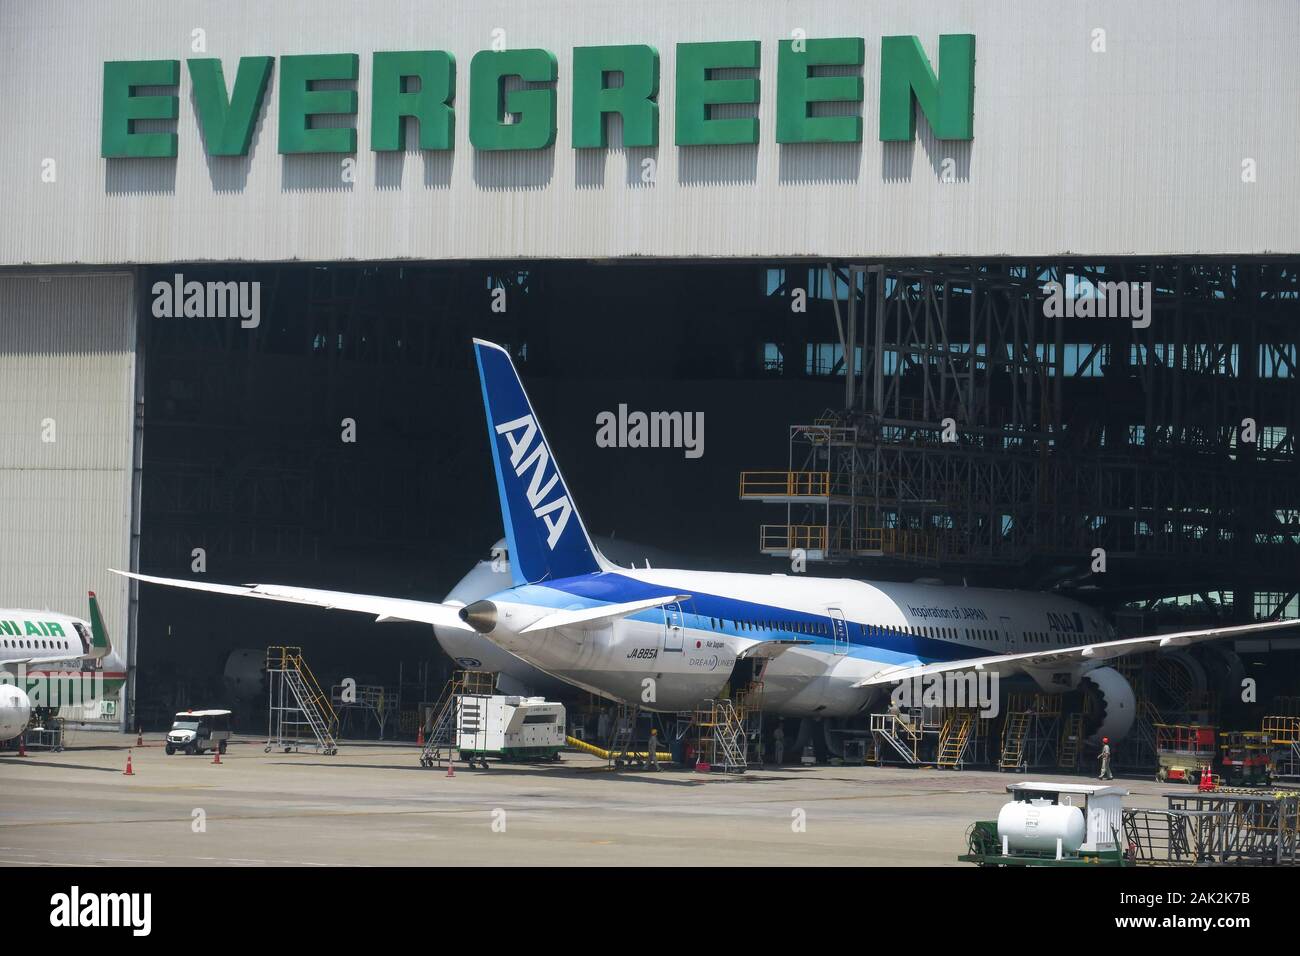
<point>1073,433</point>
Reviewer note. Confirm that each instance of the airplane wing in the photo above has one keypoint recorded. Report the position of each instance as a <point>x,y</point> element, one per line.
<point>1070,657</point>
<point>384,608</point>
<point>589,615</point>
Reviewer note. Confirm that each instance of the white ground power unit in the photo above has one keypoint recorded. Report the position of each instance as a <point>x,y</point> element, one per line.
<point>509,727</point>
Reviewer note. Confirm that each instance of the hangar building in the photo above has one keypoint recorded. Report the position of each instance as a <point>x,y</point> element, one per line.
<point>790,216</point>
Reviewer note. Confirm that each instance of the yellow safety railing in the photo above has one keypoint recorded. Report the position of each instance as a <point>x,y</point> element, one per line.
<point>792,484</point>
<point>1282,730</point>
<point>784,537</point>
<point>887,541</point>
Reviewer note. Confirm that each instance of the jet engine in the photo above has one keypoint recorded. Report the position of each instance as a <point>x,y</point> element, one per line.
<point>15,711</point>
<point>1119,704</point>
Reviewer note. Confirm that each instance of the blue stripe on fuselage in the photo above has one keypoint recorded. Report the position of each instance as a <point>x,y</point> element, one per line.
<point>865,640</point>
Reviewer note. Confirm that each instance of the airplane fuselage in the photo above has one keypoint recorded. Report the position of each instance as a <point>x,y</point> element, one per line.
<point>674,657</point>
<point>26,634</point>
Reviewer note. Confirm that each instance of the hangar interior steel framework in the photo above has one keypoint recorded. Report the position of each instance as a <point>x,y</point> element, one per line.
<point>1069,434</point>
<point>1064,435</point>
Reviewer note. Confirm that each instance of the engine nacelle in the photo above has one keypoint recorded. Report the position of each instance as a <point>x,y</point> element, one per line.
<point>1119,704</point>
<point>15,711</point>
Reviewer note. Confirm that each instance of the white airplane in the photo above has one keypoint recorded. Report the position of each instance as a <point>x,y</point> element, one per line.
<point>670,639</point>
<point>48,660</point>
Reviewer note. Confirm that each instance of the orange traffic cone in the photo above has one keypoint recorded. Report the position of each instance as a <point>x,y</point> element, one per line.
<point>451,768</point>
<point>139,737</point>
<point>22,746</point>
<point>216,755</point>
<point>128,772</point>
<point>419,738</point>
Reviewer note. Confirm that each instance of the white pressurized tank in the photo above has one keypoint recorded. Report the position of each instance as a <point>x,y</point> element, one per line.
<point>1038,824</point>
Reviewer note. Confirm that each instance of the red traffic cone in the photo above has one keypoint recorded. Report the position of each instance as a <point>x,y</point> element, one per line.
<point>22,746</point>
<point>419,738</point>
<point>451,768</point>
<point>216,755</point>
<point>128,772</point>
<point>139,737</point>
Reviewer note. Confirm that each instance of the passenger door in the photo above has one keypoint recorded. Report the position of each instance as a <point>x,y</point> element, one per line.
<point>1009,636</point>
<point>672,628</point>
<point>839,630</point>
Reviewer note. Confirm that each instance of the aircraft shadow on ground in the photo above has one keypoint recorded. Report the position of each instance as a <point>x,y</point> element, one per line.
<point>27,761</point>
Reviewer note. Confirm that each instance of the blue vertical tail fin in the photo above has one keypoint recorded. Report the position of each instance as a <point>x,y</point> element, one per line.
<point>546,536</point>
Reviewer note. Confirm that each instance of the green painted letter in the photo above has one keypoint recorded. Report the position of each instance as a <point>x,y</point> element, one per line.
<point>797,91</point>
<point>696,92</point>
<point>947,101</point>
<point>228,123</point>
<point>299,103</point>
<point>634,100</point>
<point>122,108</point>
<point>488,103</point>
<point>430,104</point>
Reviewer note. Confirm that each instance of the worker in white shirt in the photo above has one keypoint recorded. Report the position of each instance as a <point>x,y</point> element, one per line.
<point>1104,757</point>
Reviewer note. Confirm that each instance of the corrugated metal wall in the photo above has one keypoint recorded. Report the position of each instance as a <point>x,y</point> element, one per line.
<point>67,387</point>
<point>1138,149</point>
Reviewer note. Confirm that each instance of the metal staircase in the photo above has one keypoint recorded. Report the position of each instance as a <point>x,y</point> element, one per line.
<point>296,705</point>
<point>897,734</point>
<point>620,745</point>
<point>749,709</point>
<point>444,735</point>
<point>1014,733</point>
<point>721,730</point>
<point>955,738</point>
<point>1067,751</point>
<point>1032,732</point>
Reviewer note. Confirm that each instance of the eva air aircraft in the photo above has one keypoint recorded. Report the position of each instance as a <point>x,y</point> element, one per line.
<point>668,640</point>
<point>49,660</point>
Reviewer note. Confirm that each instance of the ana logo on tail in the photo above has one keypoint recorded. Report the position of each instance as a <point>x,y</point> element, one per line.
<point>523,456</point>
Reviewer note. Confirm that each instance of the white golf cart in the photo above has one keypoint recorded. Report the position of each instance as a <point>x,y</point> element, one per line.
<point>196,731</point>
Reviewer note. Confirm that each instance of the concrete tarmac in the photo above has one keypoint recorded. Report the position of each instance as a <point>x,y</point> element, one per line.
<point>374,805</point>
